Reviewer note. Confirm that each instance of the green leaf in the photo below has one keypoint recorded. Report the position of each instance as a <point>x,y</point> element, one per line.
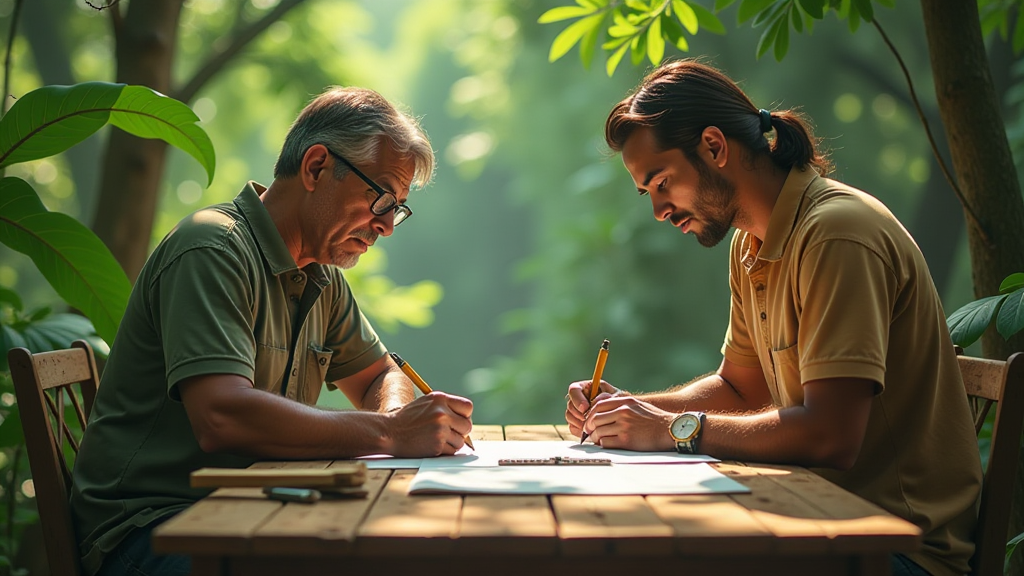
<point>865,10</point>
<point>615,43</point>
<point>589,43</point>
<point>51,119</point>
<point>782,39</point>
<point>149,114</point>
<point>770,15</point>
<point>613,60</point>
<point>750,8</point>
<point>564,13</point>
<point>686,15</point>
<point>1012,283</point>
<point>567,38</point>
<point>1012,545</point>
<point>673,31</point>
<point>1010,319</point>
<point>723,4</point>
<point>798,21</point>
<point>767,39</point>
<point>969,322</point>
<point>639,49</point>
<point>39,314</point>
<point>707,20</point>
<point>11,297</point>
<point>814,8</point>
<point>71,258</point>
<point>655,41</point>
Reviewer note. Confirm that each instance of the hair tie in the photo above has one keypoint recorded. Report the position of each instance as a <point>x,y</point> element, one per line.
<point>766,120</point>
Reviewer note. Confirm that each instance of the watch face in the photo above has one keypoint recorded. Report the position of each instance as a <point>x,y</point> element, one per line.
<point>685,426</point>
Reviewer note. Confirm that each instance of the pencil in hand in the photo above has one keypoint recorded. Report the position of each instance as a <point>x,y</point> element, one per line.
<point>595,383</point>
<point>422,385</point>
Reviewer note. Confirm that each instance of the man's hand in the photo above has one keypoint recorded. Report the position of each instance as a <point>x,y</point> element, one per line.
<point>577,402</point>
<point>431,425</point>
<point>630,423</point>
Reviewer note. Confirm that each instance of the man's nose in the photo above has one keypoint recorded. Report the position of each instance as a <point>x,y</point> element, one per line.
<point>662,210</point>
<point>384,225</point>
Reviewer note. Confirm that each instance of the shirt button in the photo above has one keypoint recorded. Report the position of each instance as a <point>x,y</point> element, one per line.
<point>323,361</point>
<point>295,371</point>
<point>763,316</point>
<point>294,298</point>
<point>297,278</point>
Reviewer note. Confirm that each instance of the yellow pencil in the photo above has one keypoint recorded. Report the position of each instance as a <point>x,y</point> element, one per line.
<point>595,383</point>
<point>421,384</point>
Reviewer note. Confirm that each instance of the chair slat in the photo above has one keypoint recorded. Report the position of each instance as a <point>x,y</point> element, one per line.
<point>982,377</point>
<point>62,367</point>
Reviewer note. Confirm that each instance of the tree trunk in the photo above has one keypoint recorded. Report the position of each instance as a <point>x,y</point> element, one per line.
<point>983,163</point>
<point>133,167</point>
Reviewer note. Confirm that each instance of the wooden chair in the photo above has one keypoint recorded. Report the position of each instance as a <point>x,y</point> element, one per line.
<point>41,383</point>
<point>1002,383</point>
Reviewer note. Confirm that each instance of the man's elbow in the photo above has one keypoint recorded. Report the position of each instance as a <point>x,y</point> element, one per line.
<point>215,434</point>
<point>839,455</point>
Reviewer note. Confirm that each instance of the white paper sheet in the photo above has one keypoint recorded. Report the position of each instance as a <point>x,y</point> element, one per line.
<point>488,453</point>
<point>642,479</point>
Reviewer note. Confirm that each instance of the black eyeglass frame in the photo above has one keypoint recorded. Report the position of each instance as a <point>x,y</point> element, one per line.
<point>401,211</point>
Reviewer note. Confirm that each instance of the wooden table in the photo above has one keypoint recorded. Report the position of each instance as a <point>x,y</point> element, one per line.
<point>792,522</point>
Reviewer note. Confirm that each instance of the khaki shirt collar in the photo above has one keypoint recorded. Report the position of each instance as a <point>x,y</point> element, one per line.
<point>785,213</point>
<point>272,246</point>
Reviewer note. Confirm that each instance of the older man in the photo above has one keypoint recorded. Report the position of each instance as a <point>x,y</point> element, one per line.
<point>236,321</point>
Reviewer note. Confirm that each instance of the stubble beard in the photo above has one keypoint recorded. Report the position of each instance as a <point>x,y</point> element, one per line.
<point>714,204</point>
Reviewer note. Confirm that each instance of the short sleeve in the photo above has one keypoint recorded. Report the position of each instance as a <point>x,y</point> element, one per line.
<point>847,293</point>
<point>351,338</point>
<point>202,302</point>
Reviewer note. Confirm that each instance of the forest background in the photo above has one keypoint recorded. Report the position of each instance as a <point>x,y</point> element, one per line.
<point>531,246</point>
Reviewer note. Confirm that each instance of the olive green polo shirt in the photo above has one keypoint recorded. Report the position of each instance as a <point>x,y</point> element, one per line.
<point>839,289</point>
<point>219,295</point>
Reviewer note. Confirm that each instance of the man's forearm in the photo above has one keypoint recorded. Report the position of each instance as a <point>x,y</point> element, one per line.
<point>709,393</point>
<point>390,391</point>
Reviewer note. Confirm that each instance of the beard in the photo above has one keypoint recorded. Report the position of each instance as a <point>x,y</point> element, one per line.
<point>344,259</point>
<point>714,205</point>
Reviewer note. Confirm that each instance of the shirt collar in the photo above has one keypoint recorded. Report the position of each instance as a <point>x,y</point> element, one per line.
<point>785,213</point>
<point>274,250</point>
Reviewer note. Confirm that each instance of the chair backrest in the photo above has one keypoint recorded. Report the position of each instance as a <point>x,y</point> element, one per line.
<point>42,382</point>
<point>1002,383</point>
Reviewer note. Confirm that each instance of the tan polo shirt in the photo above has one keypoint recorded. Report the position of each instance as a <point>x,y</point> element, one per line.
<point>839,289</point>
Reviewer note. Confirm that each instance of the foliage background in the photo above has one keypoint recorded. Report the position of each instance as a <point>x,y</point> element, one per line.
<point>532,245</point>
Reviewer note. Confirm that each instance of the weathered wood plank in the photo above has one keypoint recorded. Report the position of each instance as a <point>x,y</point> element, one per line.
<point>854,524</point>
<point>617,525</point>
<point>711,524</point>
<point>496,525</point>
<point>399,524</point>
<point>214,526</point>
<point>492,432</point>
<point>531,432</point>
<point>795,523</point>
<point>60,367</point>
<point>325,527</point>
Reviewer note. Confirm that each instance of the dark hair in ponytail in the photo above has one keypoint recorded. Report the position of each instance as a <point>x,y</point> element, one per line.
<point>680,99</point>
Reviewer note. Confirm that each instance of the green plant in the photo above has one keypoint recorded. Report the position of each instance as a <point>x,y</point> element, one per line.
<point>1006,309</point>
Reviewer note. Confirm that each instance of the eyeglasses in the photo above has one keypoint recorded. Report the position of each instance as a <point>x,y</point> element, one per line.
<point>386,200</point>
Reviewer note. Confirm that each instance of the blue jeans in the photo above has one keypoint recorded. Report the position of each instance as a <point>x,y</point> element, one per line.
<point>134,557</point>
<point>903,566</point>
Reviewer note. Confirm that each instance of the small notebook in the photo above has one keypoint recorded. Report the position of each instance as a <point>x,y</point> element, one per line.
<point>348,474</point>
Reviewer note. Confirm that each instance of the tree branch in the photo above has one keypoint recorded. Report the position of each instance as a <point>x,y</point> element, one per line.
<point>240,40</point>
<point>7,58</point>
<point>931,139</point>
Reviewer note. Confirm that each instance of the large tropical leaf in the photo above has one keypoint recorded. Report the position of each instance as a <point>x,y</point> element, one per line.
<point>1011,314</point>
<point>51,119</point>
<point>968,323</point>
<point>71,258</point>
<point>148,114</point>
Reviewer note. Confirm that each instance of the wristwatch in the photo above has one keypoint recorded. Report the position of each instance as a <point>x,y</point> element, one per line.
<point>686,430</point>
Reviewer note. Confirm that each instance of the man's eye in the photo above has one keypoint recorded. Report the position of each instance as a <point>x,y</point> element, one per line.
<point>642,192</point>
<point>662,184</point>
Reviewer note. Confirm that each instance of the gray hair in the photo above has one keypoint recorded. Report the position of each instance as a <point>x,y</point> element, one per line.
<point>351,121</point>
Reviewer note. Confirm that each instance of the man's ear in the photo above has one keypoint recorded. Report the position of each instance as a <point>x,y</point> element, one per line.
<point>313,166</point>
<point>714,146</point>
